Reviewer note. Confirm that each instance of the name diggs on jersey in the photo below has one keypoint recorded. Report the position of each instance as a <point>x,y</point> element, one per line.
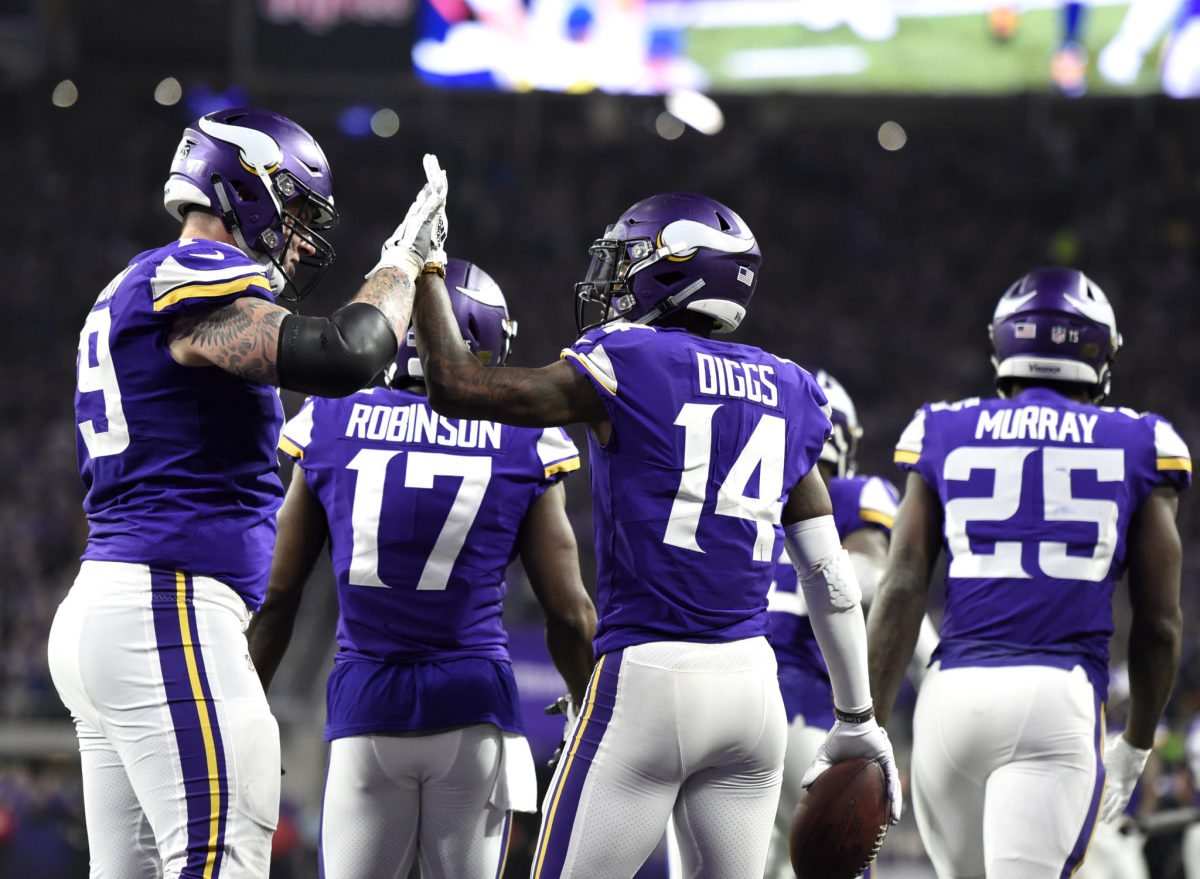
<point>721,377</point>
<point>415,423</point>
<point>1036,423</point>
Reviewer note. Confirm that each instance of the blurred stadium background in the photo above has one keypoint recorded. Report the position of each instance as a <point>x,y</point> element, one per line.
<point>899,169</point>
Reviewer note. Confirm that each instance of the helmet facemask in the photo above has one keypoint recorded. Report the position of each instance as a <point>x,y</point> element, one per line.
<point>302,214</point>
<point>669,252</point>
<point>606,284</point>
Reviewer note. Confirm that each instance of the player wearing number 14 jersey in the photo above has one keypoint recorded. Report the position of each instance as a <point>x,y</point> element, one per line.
<point>699,449</point>
<point>1041,499</point>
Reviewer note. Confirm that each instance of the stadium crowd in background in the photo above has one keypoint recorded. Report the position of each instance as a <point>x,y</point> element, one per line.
<point>883,267</point>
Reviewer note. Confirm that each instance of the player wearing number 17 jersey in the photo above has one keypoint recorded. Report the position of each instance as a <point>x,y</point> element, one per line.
<point>1041,498</point>
<point>699,449</point>
<point>423,515</point>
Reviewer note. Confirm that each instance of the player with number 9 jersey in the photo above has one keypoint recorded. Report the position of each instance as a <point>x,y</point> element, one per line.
<point>188,454</point>
<point>177,416</point>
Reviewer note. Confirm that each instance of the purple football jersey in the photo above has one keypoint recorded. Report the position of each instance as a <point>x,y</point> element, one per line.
<point>423,515</point>
<point>178,462</point>
<point>858,502</point>
<point>708,438</point>
<point>1037,493</point>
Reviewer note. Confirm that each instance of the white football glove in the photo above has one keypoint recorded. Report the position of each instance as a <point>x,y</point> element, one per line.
<point>848,740</point>
<point>441,225</point>
<point>408,247</point>
<point>1123,763</point>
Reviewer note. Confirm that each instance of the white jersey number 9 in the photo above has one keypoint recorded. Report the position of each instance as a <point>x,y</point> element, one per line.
<point>101,377</point>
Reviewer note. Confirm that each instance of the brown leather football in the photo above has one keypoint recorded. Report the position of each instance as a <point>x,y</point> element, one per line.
<point>841,821</point>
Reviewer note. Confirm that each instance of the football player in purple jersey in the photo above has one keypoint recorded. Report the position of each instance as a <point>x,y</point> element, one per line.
<point>699,448</point>
<point>863,510</point>
<point>1040,498</point>
<point>178,416</point>
<point>423,515</point>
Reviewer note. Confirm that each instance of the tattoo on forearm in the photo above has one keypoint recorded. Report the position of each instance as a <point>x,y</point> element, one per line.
<point>241,338</point>
<point>391,291</point>
<point>519,396</point>
<point>553,395</point>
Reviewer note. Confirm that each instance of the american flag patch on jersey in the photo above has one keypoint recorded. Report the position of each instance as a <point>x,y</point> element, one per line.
<point>1025,330</point>
<point>746,275</point>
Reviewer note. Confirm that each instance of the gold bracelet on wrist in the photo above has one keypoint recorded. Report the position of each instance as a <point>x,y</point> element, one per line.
<point>434,268</point>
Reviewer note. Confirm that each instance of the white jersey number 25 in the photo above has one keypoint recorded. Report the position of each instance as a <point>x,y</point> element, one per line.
<point>1058,505</point>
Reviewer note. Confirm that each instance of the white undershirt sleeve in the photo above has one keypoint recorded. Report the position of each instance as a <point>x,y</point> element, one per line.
<point>834,601</point>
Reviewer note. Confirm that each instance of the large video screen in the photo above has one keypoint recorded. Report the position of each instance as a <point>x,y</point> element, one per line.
<point>880,46</point>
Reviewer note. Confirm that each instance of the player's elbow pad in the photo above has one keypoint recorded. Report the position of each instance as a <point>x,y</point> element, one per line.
<point>337,355</point>
<point>826,573</point>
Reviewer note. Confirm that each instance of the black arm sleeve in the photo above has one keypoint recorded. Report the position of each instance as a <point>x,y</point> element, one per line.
<point>337,355</point>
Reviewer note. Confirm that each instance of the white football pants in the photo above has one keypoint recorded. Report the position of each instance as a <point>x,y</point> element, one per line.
<point>444,797</point>
<point>1007,770</point>
<point>179,749</point>
<point>688,730</point>
<point>802,744</point>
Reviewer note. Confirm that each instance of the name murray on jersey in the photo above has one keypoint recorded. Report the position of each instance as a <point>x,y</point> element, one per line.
<point>416,423</point>
<point>1036,423</point>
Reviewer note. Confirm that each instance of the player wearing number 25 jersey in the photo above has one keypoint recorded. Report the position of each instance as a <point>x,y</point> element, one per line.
<point>423,516</point>
<point>1041,498</point>
<point>699,448</point>
<point>177,415</point>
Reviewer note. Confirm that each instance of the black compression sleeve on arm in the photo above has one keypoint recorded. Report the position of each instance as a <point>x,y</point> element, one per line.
<point>337,355</point>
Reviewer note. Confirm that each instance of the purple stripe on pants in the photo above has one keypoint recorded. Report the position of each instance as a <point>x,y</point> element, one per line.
<point>194,716</point>
<point>1089,824</point>
<point>504,841</point>
<point>563,801</point>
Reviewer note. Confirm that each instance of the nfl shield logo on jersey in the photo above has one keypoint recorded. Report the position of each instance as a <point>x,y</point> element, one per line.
<point>1058,335</point>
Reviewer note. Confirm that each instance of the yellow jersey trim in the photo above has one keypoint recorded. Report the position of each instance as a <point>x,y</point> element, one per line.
<point>290,448</point>
<point>210,748</point>
<point>562,467</point>
<point>591,371</point>
<point>877,517</point>
<point>562,778</point>
<point>1174,464</point>
<point>901,457</point>
<point>209,291</point>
